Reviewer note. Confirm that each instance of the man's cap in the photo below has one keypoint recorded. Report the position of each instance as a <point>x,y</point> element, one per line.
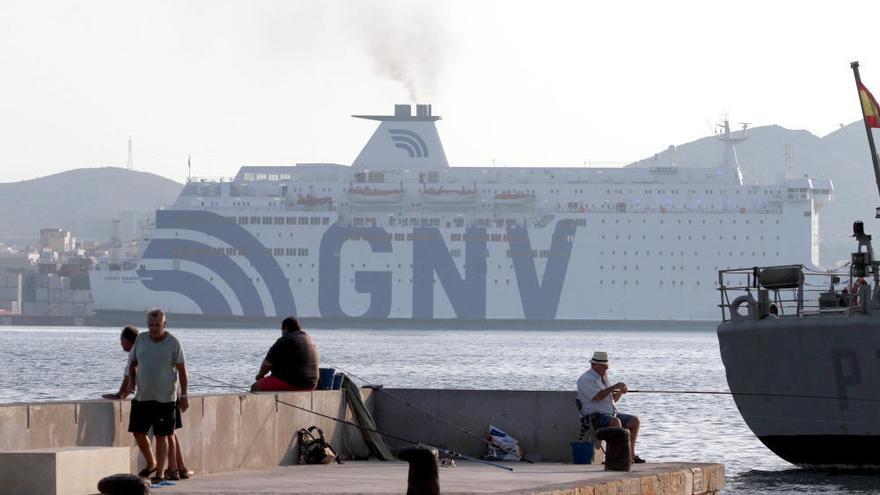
<point>600,357</point>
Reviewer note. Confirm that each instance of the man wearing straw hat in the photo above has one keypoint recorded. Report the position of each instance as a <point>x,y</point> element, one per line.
<point>598,398</point>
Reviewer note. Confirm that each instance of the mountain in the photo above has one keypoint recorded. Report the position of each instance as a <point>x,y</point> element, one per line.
<point>84,200</point>
<point>841,156</point>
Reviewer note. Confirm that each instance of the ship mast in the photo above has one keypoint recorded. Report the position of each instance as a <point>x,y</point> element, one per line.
<point>730,161</point>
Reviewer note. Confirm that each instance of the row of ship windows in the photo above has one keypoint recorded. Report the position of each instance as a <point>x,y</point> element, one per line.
<point>679,283</point>
<point>423,222</point>
<point>279,220</point>
<point>661,191</point>
<point>673,267</point>
<point>507,281</point>
<point>229,251</point>
<point>681,253</point>
<point>690,238</point>
<point>720,222</point>
<point>505,222</point>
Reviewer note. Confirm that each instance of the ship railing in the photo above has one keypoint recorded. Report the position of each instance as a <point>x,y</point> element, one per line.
<point>209,179</point>
<point>785,291</point>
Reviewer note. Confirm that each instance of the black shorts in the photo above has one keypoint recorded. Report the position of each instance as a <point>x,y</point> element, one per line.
<point>151,414</point>
<point>178,418</point>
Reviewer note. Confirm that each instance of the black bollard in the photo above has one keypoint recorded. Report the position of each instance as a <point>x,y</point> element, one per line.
<point>617,449</point>
<point>423,476</point>
<point>124,484</point>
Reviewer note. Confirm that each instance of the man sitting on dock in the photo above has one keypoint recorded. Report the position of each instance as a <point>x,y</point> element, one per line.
<point>598,397</point>
<point>292,359</point>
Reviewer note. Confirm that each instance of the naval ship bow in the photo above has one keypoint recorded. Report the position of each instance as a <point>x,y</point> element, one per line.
<point>801,349</point>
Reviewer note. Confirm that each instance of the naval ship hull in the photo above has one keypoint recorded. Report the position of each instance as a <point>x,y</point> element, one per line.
<point>809,389</point>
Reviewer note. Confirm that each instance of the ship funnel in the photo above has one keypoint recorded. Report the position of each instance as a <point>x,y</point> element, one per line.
<point>403,141</point>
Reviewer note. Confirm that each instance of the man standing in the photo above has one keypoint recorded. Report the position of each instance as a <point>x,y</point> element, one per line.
<point>598,400</point>
<point>158,362</point>
<point>292,359</point>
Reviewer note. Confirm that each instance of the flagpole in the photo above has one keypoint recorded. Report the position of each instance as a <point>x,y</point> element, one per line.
<point>855,68</point>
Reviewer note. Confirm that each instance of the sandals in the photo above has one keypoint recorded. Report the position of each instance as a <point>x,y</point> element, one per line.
<point>145,473</point>
<point>172,474</point>
<point>184,473</point>
<point>638,460</point>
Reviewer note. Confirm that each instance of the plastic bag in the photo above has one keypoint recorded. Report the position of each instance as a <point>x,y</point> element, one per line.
<point>503,446</point>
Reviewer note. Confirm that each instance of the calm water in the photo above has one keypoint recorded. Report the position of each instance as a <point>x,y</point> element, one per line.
<point>81,363</point>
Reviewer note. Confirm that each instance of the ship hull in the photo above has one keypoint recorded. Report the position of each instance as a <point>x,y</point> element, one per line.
<point>808,388</point>
<point>185,320</point>
<point>572,267</point>
<point>827,451</point>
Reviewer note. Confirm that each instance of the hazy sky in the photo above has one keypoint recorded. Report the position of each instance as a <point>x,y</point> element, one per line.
<point>521,83</point>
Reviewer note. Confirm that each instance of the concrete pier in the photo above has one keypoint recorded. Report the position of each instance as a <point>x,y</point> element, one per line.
<point>466,478</point>
<point>248,432</point>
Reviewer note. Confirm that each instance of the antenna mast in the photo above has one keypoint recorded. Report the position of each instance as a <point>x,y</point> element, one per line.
<point>188,169</point>
<point>788,160</point>
<point>130,165</point>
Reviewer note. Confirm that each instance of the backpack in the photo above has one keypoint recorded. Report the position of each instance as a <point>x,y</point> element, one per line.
<point>314,449</point>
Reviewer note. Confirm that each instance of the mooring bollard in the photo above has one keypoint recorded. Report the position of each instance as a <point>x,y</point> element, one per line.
<point>124,484</point>
<point>423,476</point>
<point>617,450</point>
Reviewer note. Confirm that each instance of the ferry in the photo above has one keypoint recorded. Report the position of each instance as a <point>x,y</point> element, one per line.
<point>401,237</point>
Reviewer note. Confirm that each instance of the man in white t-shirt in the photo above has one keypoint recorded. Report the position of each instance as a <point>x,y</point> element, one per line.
<point>598,398</point>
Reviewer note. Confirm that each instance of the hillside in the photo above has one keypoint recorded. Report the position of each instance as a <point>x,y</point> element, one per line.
<point>842,156</point>
<point>84,200</point>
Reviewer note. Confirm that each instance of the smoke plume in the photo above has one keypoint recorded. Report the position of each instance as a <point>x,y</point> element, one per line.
<point>408,42</point>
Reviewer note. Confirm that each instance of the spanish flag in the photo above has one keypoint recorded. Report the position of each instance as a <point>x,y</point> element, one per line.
<point>870,108</point>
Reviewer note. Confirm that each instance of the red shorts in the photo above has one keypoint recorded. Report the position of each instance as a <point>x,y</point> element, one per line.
<point>273,384</point>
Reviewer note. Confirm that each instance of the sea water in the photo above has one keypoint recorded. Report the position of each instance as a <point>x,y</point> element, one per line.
<point>40,364</point>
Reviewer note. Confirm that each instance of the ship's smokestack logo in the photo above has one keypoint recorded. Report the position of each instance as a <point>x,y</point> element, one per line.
<point>409,141</point>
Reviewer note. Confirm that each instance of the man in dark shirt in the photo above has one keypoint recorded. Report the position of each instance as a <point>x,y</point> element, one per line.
<point>292,359</point>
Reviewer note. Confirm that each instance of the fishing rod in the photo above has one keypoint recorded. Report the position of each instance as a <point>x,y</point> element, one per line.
<point>443,420</point>
<point>445,452</point>
<point>755,394</point>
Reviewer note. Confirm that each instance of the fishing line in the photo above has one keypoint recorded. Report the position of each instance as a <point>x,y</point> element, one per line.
<point>443,420</point>
<point>448,452</point>
<point>754,394</point>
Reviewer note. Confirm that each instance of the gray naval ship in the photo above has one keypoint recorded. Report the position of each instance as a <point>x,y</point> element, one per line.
<point>801,349</point>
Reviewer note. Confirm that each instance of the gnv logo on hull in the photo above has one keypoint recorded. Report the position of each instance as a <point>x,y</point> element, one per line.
<point>410,142</point>
<point>431,256</point>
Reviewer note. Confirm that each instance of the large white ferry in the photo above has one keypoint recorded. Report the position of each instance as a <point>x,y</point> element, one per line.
<point>401,236</point>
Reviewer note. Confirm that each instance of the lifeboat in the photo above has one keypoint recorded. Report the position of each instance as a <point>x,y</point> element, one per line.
<point>374,195</point>
<point>312,201</point>
<point>514,198</point>
<point>442,196</point>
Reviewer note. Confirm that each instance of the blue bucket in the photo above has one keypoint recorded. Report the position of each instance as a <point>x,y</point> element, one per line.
<point>325,379</point>
<point>581,453</point>
<point>337,381</point>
